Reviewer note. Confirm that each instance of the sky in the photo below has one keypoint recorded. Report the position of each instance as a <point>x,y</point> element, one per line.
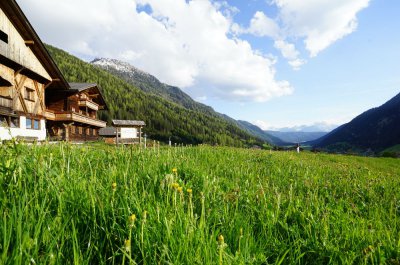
<point>275,63</point>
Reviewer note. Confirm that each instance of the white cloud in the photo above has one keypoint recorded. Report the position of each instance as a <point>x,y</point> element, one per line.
<point>263,26</point>
<point>319,22</point>
<point>262,124</point>
<point>183,43</point>
<point>297,63</point>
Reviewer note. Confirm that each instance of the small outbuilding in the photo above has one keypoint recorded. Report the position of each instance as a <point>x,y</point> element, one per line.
<point>123,131</point>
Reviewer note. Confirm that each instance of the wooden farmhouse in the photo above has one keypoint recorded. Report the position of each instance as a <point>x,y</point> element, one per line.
<point>72,113</point>
<point>35,99</point>
<point>123,131</point>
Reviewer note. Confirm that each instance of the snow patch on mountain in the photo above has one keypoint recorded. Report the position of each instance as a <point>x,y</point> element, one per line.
<point>118,65</point>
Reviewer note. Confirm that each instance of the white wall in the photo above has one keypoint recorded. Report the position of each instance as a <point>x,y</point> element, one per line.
<point>8,133</point>
<point>129,133</point>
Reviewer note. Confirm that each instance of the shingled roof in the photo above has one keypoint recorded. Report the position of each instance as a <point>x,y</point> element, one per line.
<point>108,131</point>
<point>128,123</point>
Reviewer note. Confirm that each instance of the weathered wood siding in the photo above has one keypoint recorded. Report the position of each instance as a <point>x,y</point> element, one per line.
<point>17,51</point>
<point>18,92</point>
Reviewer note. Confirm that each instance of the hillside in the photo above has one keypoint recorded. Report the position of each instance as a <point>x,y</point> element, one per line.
<point>375,129</point>
<point>297,137</point>
<point>164,118</point>
<point>150,84</point>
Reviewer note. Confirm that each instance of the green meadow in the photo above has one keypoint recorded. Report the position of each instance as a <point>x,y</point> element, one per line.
<point>97,204</point>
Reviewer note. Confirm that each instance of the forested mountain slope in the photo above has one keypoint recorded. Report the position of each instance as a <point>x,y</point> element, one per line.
<point>375,129</point>
<point>164,118</point>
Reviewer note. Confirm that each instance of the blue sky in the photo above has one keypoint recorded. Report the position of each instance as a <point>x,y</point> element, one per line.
<point>276,63</point>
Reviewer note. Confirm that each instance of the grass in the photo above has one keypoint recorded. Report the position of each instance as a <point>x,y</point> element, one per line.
<point>69,204</point>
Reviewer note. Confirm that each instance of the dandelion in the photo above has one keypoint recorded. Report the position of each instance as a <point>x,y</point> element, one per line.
<point>127,245</point>
<point>175,185</point>
<point>221,240</point>
<point>179,189</point>
<point>114,186</point>
<point>132,220</point>
<point>189,191</point>
<point>174,170</point>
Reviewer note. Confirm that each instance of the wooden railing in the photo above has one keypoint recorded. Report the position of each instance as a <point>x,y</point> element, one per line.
<point>73,116</point>
<point>89,104</point>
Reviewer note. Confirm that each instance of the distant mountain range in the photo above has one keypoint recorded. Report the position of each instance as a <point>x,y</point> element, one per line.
<point>316,127</point>
<point>296,136</point>
<point>376,129</point>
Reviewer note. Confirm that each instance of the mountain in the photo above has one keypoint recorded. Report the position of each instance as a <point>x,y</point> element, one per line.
<point>257,131</point>
<point>296,136</point>
<point>164,118</point>
<point>316,127</point>
<point>375,129</point>
<point>149,83</point>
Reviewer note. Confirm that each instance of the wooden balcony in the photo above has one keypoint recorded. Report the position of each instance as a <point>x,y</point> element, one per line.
<point>89,104</point>
<point>50,115</point>
<point>69,116</point>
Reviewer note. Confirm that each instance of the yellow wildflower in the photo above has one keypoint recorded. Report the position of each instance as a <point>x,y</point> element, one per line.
<point>179,189</point>
<point>174,170</point>
<point>114,186</point>
<point>127,245</point>
<point>221,240</point>
<point>189,191</point>
<point>132,219</point>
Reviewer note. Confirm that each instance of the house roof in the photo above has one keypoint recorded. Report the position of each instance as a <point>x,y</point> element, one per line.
<point>92,89</point>
<point>128,123</point>
<point>108,131</point>
<point>82,86</point>
<point>25,29</point>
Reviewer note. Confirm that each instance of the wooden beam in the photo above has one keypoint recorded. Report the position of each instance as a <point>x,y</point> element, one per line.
<point>40,97</point>
<point>29,42</point>
<point>18,87</point>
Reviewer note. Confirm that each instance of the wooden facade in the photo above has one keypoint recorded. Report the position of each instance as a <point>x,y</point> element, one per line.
<point>35,100</point>
<point>26,72</point>
<point>72,114</point>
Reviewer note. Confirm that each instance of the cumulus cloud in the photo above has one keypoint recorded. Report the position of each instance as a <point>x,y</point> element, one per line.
<point>318,23</point>
<point>183,43</point>
<point>321,22</point>
<point>263,26</point>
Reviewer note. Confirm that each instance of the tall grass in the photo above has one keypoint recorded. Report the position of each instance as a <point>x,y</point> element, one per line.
<point>69,204</point>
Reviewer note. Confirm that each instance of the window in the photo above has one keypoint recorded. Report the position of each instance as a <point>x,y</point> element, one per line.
<point>32,124</point>
<point>80,130</point>
<point>29,94</point>
<point>6,121</point>
<point>14,122</point>
<point>28,123</point>
<point>36,124</point>
<point>3,36</point>
<point>3,121</point>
